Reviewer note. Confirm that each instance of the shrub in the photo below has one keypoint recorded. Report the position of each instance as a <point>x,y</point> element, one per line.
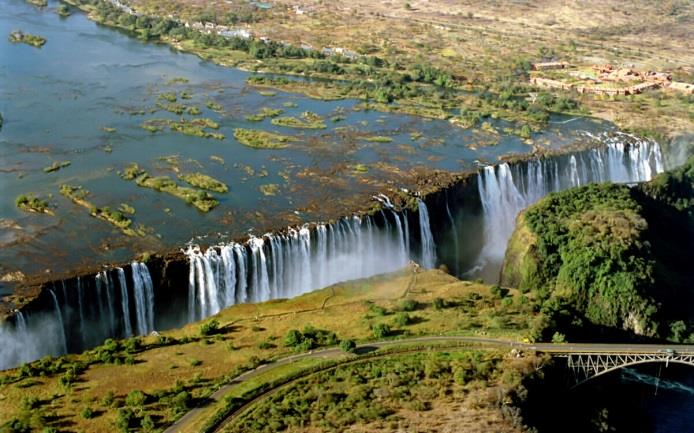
<point>439,304</point>
<point>349,346</point>
<point>293,338</point>
<point>402,319</point>
<point>209,328</point>
<point>409,305</point>
<point>135,398</point>
<point>195,362</point>
<point>265,345</point>
<point>125,419</point>
<point>132,345</point>
<point>558,338</point>
<point>377,310</point>
<point>107,400</point>
<point>381,330</point>
<point>499,292</point>
<point>87,413</point>
<point>147,424</point>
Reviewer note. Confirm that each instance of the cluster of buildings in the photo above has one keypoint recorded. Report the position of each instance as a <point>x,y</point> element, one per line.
<point>607,73</point>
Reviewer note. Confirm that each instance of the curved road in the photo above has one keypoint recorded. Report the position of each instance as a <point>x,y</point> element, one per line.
<point>551,348</point>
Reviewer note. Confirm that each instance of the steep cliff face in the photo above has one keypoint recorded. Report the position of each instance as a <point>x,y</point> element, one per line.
<point>611,255</point>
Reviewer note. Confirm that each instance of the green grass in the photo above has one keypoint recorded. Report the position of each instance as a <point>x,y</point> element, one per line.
<point>26,38</point>
<point>201,200</point>
<point>203,181</point>
<point>258,139</point>
<point>30,203</point>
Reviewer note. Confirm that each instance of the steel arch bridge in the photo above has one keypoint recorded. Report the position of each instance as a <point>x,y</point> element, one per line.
<point>587,365</point>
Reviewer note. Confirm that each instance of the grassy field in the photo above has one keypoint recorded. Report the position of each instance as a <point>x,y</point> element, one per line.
<point>180,368</point>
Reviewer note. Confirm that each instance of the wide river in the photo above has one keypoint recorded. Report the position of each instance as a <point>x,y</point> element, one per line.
<point>84,96</point>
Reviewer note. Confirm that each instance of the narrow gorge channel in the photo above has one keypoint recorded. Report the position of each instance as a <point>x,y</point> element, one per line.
<point>465,227</point>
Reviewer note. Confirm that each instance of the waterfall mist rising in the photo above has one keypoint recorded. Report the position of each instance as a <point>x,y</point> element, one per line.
<point>304,259</point>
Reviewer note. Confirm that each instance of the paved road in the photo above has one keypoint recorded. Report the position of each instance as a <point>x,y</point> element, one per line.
<point>557,349</point>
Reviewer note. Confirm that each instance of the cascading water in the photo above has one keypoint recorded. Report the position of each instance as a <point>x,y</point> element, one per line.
<point>504,190</point>
<point>302,260</point>
<point>61,324</point>
<point>427,239</point>
<point>144,297</point>
<point>125,303</point>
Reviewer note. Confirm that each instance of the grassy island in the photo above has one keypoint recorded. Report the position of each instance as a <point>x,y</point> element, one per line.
<point>308,121</point>
<point>258,139</point>
<point>56,166</point>
<point>203,181</point>
<point>79,195</point>
<point>195,127</point>
<point>201,200</point>
<point>26,38</point>
<point>29,203</point>
<point>264,113</point>
<point>63,10</point>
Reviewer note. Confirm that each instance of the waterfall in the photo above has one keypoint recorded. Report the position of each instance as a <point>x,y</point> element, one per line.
<point>80,304</point>
<point>456,241</point>
<point>144,298</point>
<point>401,237</point>
<point>426,238</point>
<point>504,190</point>
<point>125,303</point>
<point>61,325</point>
<point>302,260</point>
<point>22,327</point>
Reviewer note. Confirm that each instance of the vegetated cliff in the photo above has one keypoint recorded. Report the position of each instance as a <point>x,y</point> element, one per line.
<point>610,257</point>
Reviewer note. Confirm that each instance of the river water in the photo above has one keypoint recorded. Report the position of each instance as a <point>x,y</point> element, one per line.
<point>61,101</point>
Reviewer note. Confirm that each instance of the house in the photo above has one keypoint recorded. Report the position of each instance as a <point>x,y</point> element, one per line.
<point>543,66</point>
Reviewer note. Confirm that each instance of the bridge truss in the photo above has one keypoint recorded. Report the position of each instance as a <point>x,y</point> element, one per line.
<point>586,366</point>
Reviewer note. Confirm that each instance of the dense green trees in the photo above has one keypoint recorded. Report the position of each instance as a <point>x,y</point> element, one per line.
<point>610,255</point>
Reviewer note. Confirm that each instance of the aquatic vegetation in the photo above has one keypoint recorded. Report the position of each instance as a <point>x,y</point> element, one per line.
<point>201,200</point>
<point>126,208</point>
<point>173,107</point>
<point>378,139</point>
<point>269,189</point>
<point>290,104</point>
<point>217,159</point>
<point>56,166</point>
<point>79,195</point>
<point>168,96</point>
<point>63,10</point>
<point>193,110</point>
<point>30,203</point>
<point>204,181</point>
<point>178,80</point>
<point>267,93</point>
<point>39,3</point>
<point>261,139</point>
<point>214,106</point>
<point>360,168</point>
<point>264,113</point>
<point>195,127</point>
<point>308,121</point>
<point>26,38</point>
